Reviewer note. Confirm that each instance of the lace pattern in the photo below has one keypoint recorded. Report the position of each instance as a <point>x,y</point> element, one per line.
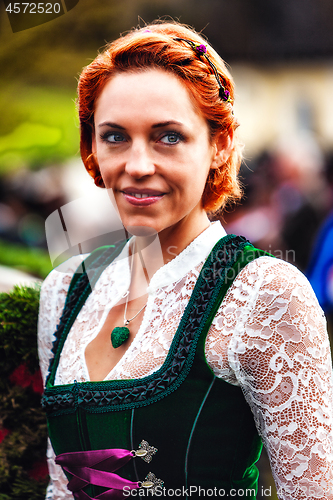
<point>268,337</point>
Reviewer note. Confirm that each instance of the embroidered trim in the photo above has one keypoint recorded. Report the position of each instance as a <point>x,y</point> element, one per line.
<point>96,397</point>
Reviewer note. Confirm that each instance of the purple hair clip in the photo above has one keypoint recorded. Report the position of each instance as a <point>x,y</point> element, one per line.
<point>201,50</point>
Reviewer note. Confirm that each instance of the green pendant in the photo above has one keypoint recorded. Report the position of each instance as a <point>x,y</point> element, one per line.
<point>119,335</point>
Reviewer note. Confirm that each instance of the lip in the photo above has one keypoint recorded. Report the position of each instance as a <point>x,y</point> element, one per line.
<point>149,196</point>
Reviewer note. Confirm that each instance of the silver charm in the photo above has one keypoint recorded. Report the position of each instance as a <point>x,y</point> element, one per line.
<point>145,451</point>
<point>152,482</point>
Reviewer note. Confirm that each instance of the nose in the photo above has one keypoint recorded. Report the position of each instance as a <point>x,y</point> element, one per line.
<point>139,162</point>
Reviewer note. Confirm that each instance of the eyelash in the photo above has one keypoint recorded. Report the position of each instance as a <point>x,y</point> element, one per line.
<point>106,135</point>
<point>179,137</point>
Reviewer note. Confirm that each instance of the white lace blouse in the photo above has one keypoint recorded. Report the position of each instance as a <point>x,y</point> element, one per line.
<point>268,337</point>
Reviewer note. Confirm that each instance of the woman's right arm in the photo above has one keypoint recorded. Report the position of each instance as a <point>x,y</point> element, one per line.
<point>52,300</point>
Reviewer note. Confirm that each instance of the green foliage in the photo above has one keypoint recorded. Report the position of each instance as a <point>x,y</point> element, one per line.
<point>35,261</point>
<point>18,328</point>
<point>38,127</point>
<point>23,433</point>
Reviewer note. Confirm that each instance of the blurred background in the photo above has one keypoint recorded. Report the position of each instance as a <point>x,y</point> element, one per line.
<point>281,56</point>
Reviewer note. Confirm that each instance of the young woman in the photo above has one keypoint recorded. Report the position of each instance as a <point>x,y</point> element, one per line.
<point>182,350</point>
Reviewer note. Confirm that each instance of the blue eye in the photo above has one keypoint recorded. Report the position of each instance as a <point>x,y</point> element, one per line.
<point>171,138</point>
<point>114,137</point>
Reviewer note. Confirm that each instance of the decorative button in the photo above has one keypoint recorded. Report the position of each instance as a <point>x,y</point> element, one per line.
<point>145,451</point>
<point>147,484</point>
<point>140,453</point>
<point>151,482</point>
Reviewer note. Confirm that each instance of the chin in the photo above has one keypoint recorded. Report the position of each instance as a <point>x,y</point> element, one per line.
<point>141,231</point>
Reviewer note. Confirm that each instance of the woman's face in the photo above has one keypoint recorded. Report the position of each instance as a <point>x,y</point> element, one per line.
<point>153,149</point>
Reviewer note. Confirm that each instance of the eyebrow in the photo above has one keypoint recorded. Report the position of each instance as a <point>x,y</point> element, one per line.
<point>164,124</point>
<point>156,125</point>
<point>112,125</point>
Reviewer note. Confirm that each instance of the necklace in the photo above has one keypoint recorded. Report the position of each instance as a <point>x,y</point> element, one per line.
<point>120,334</point>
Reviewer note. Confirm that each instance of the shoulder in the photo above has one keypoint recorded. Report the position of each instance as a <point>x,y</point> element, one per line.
<point>274,273</point>
<point>60,277</point>
<point>53,293</point>
<point>272,295</point>
<point>281,302</point>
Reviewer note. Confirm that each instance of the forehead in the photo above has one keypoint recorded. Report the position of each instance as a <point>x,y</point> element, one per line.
<point>154,93</point>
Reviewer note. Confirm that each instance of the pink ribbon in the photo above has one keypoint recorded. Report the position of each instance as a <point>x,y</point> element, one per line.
<point>96,467</point>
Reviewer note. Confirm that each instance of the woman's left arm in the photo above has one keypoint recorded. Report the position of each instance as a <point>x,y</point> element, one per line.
<point>280,355</point>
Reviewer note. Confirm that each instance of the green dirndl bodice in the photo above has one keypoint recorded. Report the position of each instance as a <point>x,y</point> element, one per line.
<point>201,425</point>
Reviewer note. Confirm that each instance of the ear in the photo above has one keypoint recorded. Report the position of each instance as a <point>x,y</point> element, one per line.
<point>223,145</point>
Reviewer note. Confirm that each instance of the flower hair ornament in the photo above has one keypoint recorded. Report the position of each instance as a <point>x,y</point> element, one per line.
<point>201,51</point>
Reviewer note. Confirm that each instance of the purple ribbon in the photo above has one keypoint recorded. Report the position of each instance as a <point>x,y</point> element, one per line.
<point>96,467</point>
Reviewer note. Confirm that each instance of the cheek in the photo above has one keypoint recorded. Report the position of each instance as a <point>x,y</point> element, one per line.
<point>197,172</point>
<point>192,186</point>
<point>107,166</point>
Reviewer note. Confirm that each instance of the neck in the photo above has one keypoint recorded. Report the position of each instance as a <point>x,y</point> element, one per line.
<point>153,252</point>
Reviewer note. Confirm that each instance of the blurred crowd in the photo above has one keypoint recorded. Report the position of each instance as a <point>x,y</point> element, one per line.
<point>288,194</point>
<point>26,199</point>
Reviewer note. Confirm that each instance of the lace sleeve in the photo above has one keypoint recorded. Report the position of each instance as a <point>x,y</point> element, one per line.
<point>52,300</point>
<point>279,354</point>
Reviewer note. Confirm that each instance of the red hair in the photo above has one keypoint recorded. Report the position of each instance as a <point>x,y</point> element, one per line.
<point>154,46</point>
